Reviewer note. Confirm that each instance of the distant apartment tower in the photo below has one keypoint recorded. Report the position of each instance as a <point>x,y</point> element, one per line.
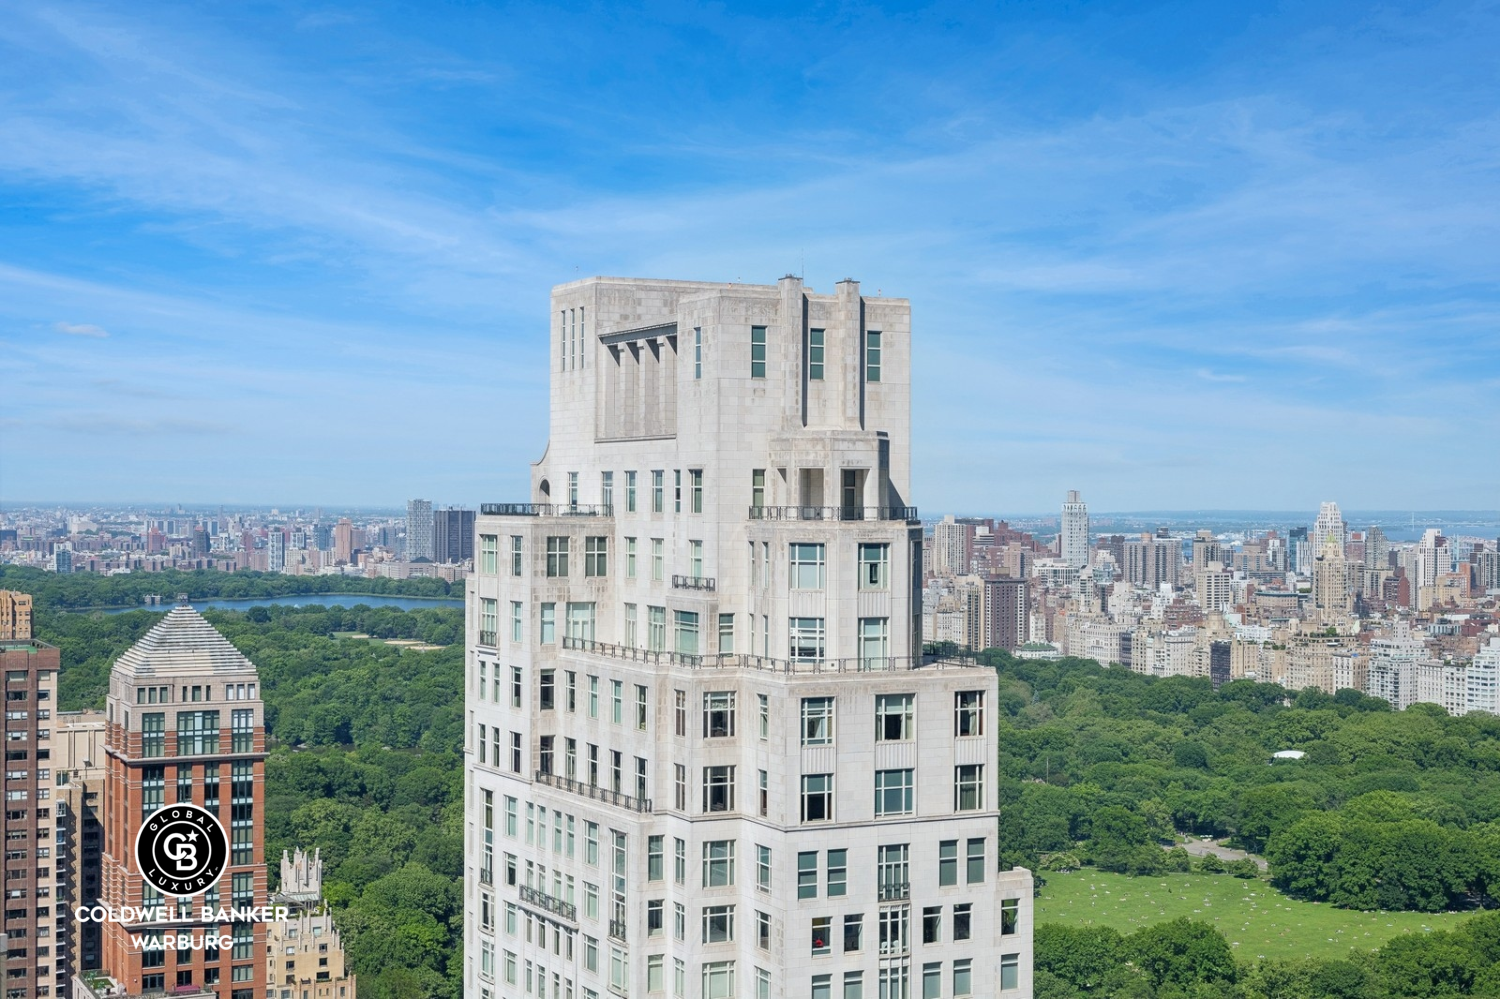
<point>1482,679</point>
<point>32,968</point>
<point>184,723</point>
<point>452,535</point>
<point>953,546</point>
<point>77,810</point>
<point>695,683</point>
<point>1151,561</point>
<point>305,952</point>
<point>276,550</point>
<point>343,541</point>
<point>419,530</point>
<point>1074,540</point>
<point>1007,613</point>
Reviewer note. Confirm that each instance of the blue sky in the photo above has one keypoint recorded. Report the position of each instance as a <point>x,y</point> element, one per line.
<point>1173,255</point>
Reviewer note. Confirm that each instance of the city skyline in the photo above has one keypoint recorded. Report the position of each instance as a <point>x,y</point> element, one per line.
<point>1209,261</point>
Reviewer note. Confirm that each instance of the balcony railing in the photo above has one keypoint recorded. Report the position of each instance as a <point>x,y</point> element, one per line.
<point>736,660</point>
<point>603,794</point>
<point>897,891</point>
<point>694,583</point>
<point>617,929</point>
<point>906,513</point>
<point>487,638</point>
<point>547,509</point>
<point>487,875</point>
<point>551,903</point>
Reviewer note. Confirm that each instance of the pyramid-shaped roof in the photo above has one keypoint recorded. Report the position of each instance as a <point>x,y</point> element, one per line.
<point>183,642</point>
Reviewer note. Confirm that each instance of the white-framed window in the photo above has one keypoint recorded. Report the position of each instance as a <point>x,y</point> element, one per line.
<point>658,489</point>
<point>718,789</point>
<point>874,566</point>
<point>815,347</point>
<point>726,633</point>
<point>718,863</point>
<point>872,355</point>
<point>718,714</point>
<point>658,560</point>
<point>808,565</point>
<point>515,555</point>
<point>895,792</point>
<point>573,489</point>
<point>697,352</point>
<point>557,555</point>
<point>596,556</point>
<point>718,924</point>
<point>515,620</point>
<point>806,637</point>
<point>757,495</point>
<point>968,787</point>
<point>695,559</point>
<point>632,636</point>
<point>656,628</point>
<point>630,492</point>
<point>686,628</point>
<point>718,980</point>
<point>895,717</point>
<point>817,797</point>
<point>630,558</point>
<point>763,868</point>
<point>817,721</point>
<point>607,488</point>
<point>489,553</point>
<point>581,621</point>
<point>968,713</point>
<point>874,642</point>
<point>656,980</point>
<point>757,352</point>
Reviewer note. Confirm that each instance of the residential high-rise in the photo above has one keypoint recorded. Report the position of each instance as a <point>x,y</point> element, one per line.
<point>31,875</point>
<point>452,535</point>
<point>78,773</point>
<point>184,723</point>
<point>1007,613</point>
<point>952,546</point>
<point>419,530</point>
<point>276,550</point>
<point>343,541</point>
<point>1329,527</point>
<point>305,952</point>
<point>695,684</point>
<point>1073,540</point>
<point>1151,561</point>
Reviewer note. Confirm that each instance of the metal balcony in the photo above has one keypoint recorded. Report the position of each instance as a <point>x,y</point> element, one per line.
<point>736,660</point>
<point>896,891</point>
<point>547,509</point>
<point>694,583</point>
<point>550,903</point>
<point>835,513</point>
<point>595,792</point>
<point>617,929</point>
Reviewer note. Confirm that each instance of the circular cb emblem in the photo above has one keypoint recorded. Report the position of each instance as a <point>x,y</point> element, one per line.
<point>182,849</point>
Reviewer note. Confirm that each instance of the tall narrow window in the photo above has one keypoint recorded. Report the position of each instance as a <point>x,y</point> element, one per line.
<point>656,629</point>
<point>968,788</point>
<point>658,559</point>
<point>968,713</point>
<point>757,352</point>
<point>806,639</point>
<point>695,559</point>
<point>726,633</point>
<point>573,489</point>
<point>489,557</point>
<point>718,789</point>
<point>515,554</point>
<point>817,721</point>
<point>632,625</point>
<point>687,632</point>
<point>658,489</point>
<point>872,355</point>
<point>808,566</point>
<point>757,488</point>
<point>630,492</point>
<point>630,558</point>
<point>697,352</point>
<point>596,556</point>
<point>607,489</point>
<point>695,482</point>
<point>815,355</point>
<point>874,642</point>
<point>557,556</point>
<point>874,566</point>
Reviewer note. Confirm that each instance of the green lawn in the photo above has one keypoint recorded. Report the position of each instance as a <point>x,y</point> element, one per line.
<point>1256,919</point>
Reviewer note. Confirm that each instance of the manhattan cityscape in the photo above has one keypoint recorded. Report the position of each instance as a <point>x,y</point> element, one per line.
<point>648,501</point>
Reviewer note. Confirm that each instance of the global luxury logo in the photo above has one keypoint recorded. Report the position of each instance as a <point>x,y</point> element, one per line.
<point>182,850</point>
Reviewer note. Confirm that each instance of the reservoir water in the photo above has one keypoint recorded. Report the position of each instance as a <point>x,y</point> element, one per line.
<point>309,600</point>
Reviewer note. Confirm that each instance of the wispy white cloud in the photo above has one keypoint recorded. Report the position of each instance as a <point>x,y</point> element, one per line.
<point>81,329</point>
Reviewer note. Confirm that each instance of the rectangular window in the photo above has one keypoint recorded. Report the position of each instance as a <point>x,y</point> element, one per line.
<point>549,624</point>
<point>581,621</point>
<point>1010,915</point>
<point>817,797</point>
<point>640,709</point>
<point>658,560</point>
<point>968,713</point>
<point>872,355</point>
<point>656,980</point>
<point>593,697</point>
<point>757,352</point>
<point>557,556</point>
<point>765,793</point>
<point>617,701</point>
<point>817,721</point>
<point>686,623</point>
<point>718,980</point>
<point>822,987</point>
<point>763,930</point>
<point>197,732</point>
<point>757,493</point>
<point>679,921</point>
<point>695,486</point>
<point>963,977</point>
<point>489,620</point>
<point>658,489</point>
<point>815,355</point>
<point>932,980</point>
<point>874,642</point>
<point>515,620</point>
<point>808,565</point>
<point>718,924</point>
<point>573,489</point>
<point>822,935</point>
<point>596,556</point>
<point>630,492</point>
<point>805,639</point>
<point>894,717</point>
<point>697,352</point>
<point>726,634</point>
<point>874,566</point>
<point>895,792</point>
<point>807,874</point>
<point>975,873</point>
<point>894,930</point>
<point>1010,974</point>
<point>838,873</point>
<point>947,863</point>
<point>962,916</point>
<point>679,785</point>
<point>679,861</point>
<point>630,558</point>
<point>489,553</point>
<point>854,985</point>
<point>718,714</point>
<point>968,788</point>
<point>677,490</point>
<point>695,559</point>
<point>932,924</point>
<point>718,789</point>
<point>515,555</point>
<point>547,689</point>
<point>718,863</point>
<point>764,701</point>
<point>656,858</point>
<point>854,933</point>
<point>763,867</point>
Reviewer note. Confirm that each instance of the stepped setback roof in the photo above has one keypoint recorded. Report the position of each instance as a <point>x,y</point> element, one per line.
<point>183,642</point>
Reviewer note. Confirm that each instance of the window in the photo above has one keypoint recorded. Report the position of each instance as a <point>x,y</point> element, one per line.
<point>695,559</point>
<point>817,721</point>
<point>874,642</point>
<point>757,494</point>
<point>197,732</point>
<point>1010,914</point>
<point>718,714</point>
<point>763,867</point>
<point>874,567</point>
<point>489,553</point>
<point>968,713</point>
<point>807,874</point>
<point>718,789</point>
<point>764,701</point>
<point>892,871</point>
<point>932,980</point>
<point>679,786</point>
<point>718,980</point>
<point>822,935</point>
<point>686,632</point>
<point>547,689</point>
<point>549,623</point>
<point>489,620</point>
<point>975,870</point>
<point>515,752</point>
<point>895,792</point>
<point>593,697</point>
<point>822,987</point>
<point>805,639</point>
<point>718,924</point>
<point>948,863</point>
<point>894,720</point>
<point>630,558</point>
<point>656,629</point>
<point>679,921</point>
<point>963,977</point>
<point>640,709</point>
<point>961,918</point>
<point>630,492</point>
<point>838,873</point>
<point>658,489</point>
<point>515,555</point>
<point>815,355</point>
<point>557,556</point>
<point>894,930</point>
<point>757,352</point>
<point>718,863</point>
<point>695,485</point>
<point>807,565</point>
<point>655,858</point>
<point>596,556</point>
<point>607,489</point>
<point>932,924</point>
<point>763,930</point>
<point>658,560</point>
<point>679,979</point>
<point>676,490</point>
<point>726,634</point>
<point>655,973</point>
<point>697,352</point>
<point>854,932</point>
<point>872,355</point>
<point>515,620</point>
<point>617,701</point>
<point>765,793</point>
<point>573,489</point>
<point>1010,973</point>
<point>968,788</point>
<point>817,797</point>
<point>854,985</point>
